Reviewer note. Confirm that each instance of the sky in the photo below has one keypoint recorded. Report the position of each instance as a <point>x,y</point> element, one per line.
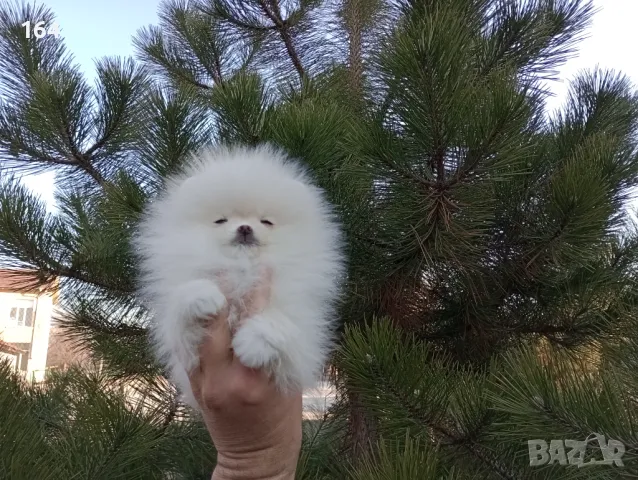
<point>93,29</point>
<point>96,28</point>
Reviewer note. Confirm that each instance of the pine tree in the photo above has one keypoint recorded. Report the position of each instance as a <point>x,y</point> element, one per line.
<point>492,296</point>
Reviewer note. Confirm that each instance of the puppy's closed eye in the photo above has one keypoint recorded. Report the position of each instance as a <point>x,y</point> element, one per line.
<point>267,222</point>
<point>221,220</point>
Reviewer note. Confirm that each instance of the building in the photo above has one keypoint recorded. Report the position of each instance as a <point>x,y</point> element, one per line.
<point>63,352</point>
<point>26,310</point>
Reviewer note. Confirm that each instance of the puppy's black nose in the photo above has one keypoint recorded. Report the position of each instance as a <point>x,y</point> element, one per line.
<point>245,230</point>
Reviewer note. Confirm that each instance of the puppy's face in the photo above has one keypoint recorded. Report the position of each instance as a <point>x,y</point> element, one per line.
<point>243,232</point>
<point>249,210</point>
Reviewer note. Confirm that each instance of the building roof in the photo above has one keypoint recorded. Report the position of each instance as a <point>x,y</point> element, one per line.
<point>26,281</point>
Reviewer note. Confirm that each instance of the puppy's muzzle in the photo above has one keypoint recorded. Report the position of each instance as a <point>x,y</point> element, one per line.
<point>245,235</point>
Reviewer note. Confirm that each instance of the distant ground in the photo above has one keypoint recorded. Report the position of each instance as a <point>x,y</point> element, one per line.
<point>318,400</point>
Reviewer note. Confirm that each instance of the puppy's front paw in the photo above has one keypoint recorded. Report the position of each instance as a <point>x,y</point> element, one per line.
<point>252,349</point>
<point>202,298</point>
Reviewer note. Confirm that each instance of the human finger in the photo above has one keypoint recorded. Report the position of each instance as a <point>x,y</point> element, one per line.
<point>215,354</point>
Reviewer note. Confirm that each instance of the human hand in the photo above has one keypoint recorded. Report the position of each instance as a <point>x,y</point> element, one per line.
<point>255,428</point>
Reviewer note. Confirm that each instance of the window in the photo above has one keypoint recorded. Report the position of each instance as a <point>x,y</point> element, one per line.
<point>21,314</point>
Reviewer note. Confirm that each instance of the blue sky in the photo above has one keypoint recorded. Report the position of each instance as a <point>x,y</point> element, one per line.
<point>97,28</point>
<point>93,29</point>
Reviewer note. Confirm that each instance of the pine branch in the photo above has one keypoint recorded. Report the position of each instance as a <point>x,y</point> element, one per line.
<point>20,57</point>
<point>373,351</point>
<point>160,56</point>
<point>31,237</point>
<point>557,391</point>
<point>354,25</point>
<point>259,17</point>
<point>176,125</point>
<point>192,47</point>
<point>406,459</point>
<point>273,12</point>
<point>359,18</point>
<point>536,36</point>
<point>24,133</point>
<point>47,116</point>
<point>218,9</point>
<point>121,87</point>
<point>88,167</point>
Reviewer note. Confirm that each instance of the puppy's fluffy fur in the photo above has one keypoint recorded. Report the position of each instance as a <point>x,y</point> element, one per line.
<point>234,213</point>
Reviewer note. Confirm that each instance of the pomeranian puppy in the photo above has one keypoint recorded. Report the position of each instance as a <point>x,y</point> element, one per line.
<point>239,215</point>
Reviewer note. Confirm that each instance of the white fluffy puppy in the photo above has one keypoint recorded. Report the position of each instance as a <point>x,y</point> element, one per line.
<point>234,214</point>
